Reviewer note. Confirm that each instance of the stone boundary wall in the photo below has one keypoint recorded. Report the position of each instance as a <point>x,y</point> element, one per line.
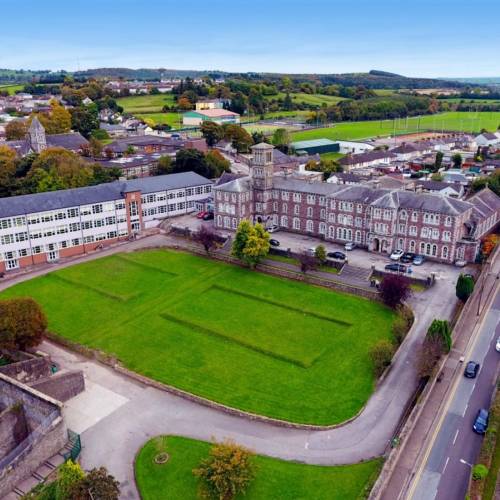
<point>27,371</point>
<point>62,386</point>
<point>13,429</point>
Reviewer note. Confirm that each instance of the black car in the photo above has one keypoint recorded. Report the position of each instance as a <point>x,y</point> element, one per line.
<point>208,216</point>
<point>396,267</point>
<point>407,258</point>
<point>481,423</point>
<point>336,255</point>
<point>274,243</point>
<point>471,369</point>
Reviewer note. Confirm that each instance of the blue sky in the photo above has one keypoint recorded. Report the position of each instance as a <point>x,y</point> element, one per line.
<point>411,37</point>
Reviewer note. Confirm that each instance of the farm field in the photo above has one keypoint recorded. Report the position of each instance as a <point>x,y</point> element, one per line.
<point>11,89</point>
<point>274,478</point>
<point>458,121</point>
<point>270,346</point>
<point>312,99</point>
<point>145,103</point>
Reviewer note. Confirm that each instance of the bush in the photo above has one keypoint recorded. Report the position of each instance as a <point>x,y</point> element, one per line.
<point>479,472</point>
<point>381,354</point>
<point>428,355</point>
<point>68,477</point>
<point>394,290</point>
<point>464,287</point>
<point>320,253</point>
<point>440,331</point>
<point>402,323</point>
<point>226,472</point>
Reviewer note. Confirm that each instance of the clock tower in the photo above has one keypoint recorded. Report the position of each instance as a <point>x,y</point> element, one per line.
<point>261,173</point>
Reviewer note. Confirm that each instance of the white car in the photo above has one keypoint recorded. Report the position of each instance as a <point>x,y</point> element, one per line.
<point>350,245</point>
<point>397,254</point>
<point>497,347</point>
<point>311,251</point>
<point>272,229</point>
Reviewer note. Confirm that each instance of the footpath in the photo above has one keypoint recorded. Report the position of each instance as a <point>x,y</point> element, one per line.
<point>403,461</point>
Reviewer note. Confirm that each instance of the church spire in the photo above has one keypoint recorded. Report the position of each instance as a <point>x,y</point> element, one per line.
<point>36,136</point>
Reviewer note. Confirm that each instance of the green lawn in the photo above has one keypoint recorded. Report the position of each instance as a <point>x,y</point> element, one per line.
<point>332,156</point>
<point>145,103</point>
<point>266,345</point>
<point>460,121</point>
<point>311,99</point>
<point>172,119</point>
<point>275,479</point>
<point>11,89</point>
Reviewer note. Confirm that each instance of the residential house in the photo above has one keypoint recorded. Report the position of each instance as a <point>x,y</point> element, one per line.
<point>367,160</point>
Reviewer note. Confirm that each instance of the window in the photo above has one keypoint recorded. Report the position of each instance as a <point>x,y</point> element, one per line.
<point>296,209</point>
<point>447,221</point>
<point>133,209</point>
<point>402,228</point>
<point>309,211</point>
<point>284,221</point>
<point>297,197</point>
<point>284,207</point>
<point>285,195</point>
<point>377,213</point>
<point>275,206</point>
<point>414,216</point>
<point>5,224</point>
<point>87,224</point>
<point>227,222</point>
<point>403,215</point>
<point>296,223</point>
<point>311,199</point>
<point>21,237</point>
<point>322,228</point>
<point>359,208</point>
<point>180,194</point>
<point>331,232</point>
<point>309,226</point>
<point>444,252</point>
<point>435,234</point>
<point>322,214</point>
<point>11,264</point>
<point>357,237</point>
<point>97,209</point>
<point>7,239</point>
<point>119,205</point>
<point>425,232</point>
<point>413,231</point>
<point>446,236</point>
<point>88,239</point>
<point>331,217</point>
<point>233,223</point>
<point>24,252</point>
<point>358,222</point>
<point>322,201</point>
<point>412,246</point>
<point>387,215</point>
<point>19,221</point>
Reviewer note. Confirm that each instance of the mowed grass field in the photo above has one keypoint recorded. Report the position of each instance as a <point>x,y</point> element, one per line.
<point>270,346</point>
<point>145,103</point>
<point>274,479</point>
<point>313,99</point>
<point>458,121</point>
<point>11,89</point>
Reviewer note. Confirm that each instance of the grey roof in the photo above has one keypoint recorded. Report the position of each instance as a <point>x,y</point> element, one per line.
<point>228,177</point>
<point>486,203</point>
<point>280,158</point>
<point>72,141</point>
<point>240,185</point>
<point>489,135</point>
<point>288,184</point>
<point>262,145</point>
<point>54,200</point>
<point>312,143</point>
<point>439,186</point>
<point>366,157</point>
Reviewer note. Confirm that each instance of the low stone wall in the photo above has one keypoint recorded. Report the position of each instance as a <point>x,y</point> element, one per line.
<point>27,371</point>
<point>62,386</point>
<point>13,429</point>
<point>425,282</point>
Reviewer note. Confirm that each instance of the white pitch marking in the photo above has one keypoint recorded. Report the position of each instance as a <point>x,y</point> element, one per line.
<point>445,465</point>
<point>307,445</point>
<point>456,435</point>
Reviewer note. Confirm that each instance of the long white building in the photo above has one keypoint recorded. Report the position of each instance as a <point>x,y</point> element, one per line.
<point>44,227</point>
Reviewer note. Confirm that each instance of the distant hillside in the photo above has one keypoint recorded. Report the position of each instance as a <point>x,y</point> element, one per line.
<point>489,80</point>
<point>374,79</point>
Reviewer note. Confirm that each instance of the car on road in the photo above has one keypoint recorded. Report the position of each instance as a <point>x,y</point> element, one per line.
<point>311,251</point>
<point>272,229</point>
<point>350,245</point>
<point>274,243</point>
<point>396,255</point>
<point>400,268</point>
<point>481,422</point>
<point>336,255</point>
<point>418,260</point>
<point>407,258</point>
<point>208,216</point>
<point>497,347</point>
<point>471,369</point>
<point>200,215</point>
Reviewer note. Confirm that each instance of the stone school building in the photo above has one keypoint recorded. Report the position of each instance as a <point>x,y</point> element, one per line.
<point>379,220</point>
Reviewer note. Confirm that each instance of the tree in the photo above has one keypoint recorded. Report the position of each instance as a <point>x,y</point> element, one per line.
<point>440,331</point>
<point>227,472</point>
<point>241,140</point>
<point>381,355</point>
<point>163,167</point>
<point>436,176</point>
<point>438,161</point>
<point>16,130</point>
<point>95,146</point>
<point>7,170</point>
<point>427,357</point>
<point>22,323</point>
<point>85,119</point>
<point>189,159</point>
<point>287,102</point>
<point>257,246</point>
<point>464,287</point>
<point>240,239</point>
<point>281,139</point>
<point>184,104</point>
<point>320,253</point>
<point>394,290</point>
<point>97,484</point>
<point>57,121</point>
<point>216,163</point>
<point>212,132</point>
<point>207,237</point>
<point>68,476</point>
<point>307,261</point>
<point>457,160</point>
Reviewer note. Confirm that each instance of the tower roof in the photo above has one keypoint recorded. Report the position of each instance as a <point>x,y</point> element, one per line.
<point>262,146</point>
<point>36,125</point>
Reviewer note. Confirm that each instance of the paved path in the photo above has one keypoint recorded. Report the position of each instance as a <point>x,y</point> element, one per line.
<point>116,415</point>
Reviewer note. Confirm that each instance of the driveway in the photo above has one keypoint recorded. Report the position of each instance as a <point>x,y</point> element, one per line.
<point>116,415</point>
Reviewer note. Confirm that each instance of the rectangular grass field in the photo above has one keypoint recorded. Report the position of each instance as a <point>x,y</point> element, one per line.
<point>271,346</point>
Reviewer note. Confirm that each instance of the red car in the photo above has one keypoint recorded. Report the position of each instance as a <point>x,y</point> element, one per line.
<point>200,215</point>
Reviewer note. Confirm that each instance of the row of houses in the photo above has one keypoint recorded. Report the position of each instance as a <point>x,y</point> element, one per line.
<point>378,219</point>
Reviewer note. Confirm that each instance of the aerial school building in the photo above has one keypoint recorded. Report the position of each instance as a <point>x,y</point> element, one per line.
<point>380,220</point>
<point>45,227</point>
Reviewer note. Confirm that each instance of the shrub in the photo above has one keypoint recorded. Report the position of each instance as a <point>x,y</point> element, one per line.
<point>479,472</point>
<point>320,253</point>
<point>440,331</point>
<point>226,472</point>
<point>428,355</point>
<point>381,354</point>
<point>464,287</point>
<point>68,476</point>
<point>307,261</point>
<point>102,485</point>
<point>394,290</point>
<point>402,323</point>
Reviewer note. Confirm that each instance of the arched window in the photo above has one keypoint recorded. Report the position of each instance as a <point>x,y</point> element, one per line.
<point>309,226</point>
<point>322,228</point>
<point>296,223</point>
<point>400,244</point>
<point>284,207</point>
<point>309,211</point>
<point>434,250</point>
<point>339,233</point>
<point>331,232</point>
<point>284,221</point>
<point>227,222</point>
<point>219,220</point>
<point>422,247</point>
<point>412,246</point>
<point>444,252</point>
<point>358,237</point>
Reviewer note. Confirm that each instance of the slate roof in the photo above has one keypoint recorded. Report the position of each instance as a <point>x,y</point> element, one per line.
<point>72,141</point>
<point>54,200</point>
<point>490,136</point>
<point>366,157</point>
<point>439,186</point>
<point>240,185</point>
<point>228,177</point>
<point>485,203</point>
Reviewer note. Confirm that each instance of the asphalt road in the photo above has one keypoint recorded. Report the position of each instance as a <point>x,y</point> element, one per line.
<point>456,447</point>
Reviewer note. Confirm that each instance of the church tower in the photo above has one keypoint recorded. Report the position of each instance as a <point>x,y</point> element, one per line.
<point>261,173</point>
<point>36,136</point>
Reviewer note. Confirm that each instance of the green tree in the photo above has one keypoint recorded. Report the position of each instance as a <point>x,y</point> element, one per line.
<point>212,132</point>
<point>440,331</point>
<point>241,238</point>
<point>457,160</point>
<point>164,166</point>
<point>438,161</point>
<point>320,253</point>
<point>464,287</point>
<point>281,139</point>
<point>85,119</point>
<point>257,246</point>
<point>68,476</point>
<point>241,140</point>
<point>227,472</point>
<point>22,323</point>
<point>16,130</point>
<point>287,102</point>
<point>7,171</point>
<point>57,121</point>
<point>216,163</point>
<point>97,484</point>
<point>381,355</point>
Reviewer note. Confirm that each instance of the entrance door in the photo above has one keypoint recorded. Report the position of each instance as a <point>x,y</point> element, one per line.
<point>52,256</point>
